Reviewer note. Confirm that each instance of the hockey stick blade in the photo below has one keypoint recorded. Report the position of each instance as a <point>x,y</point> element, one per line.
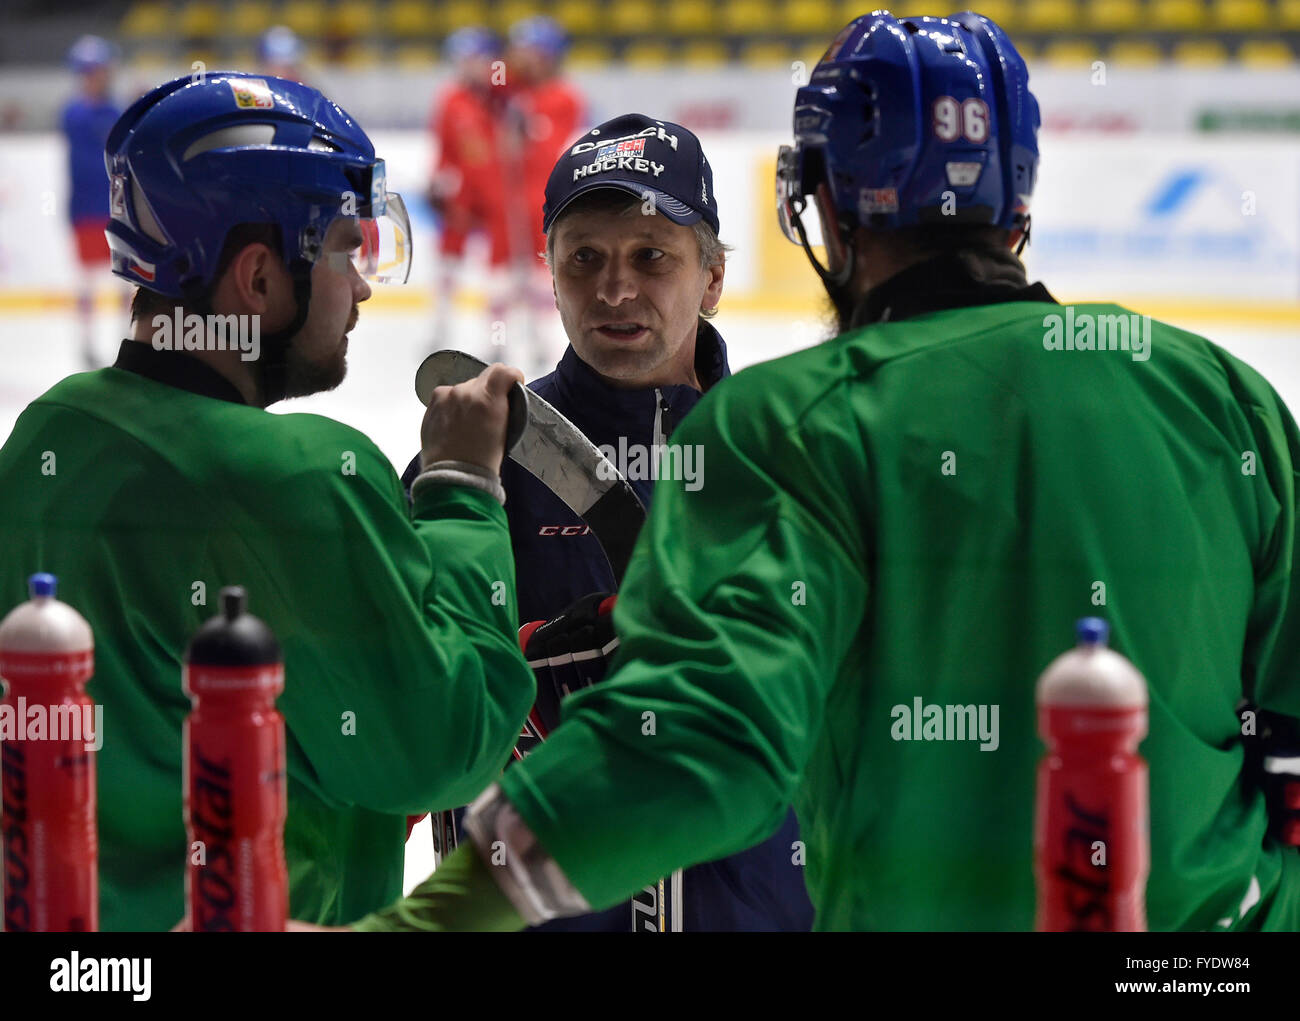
<point>555,451</point>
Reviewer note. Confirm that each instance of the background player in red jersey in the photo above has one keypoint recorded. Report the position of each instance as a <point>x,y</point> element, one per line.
<point>86,121</point>
<point>468,186</point>
<point>550,109</point>
<point>546,110</point>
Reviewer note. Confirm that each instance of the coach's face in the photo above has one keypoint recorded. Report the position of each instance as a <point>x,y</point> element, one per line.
<point>629,288</point>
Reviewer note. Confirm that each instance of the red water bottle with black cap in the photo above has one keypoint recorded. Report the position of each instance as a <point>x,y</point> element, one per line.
<point>1091,826</point>
<point>47,766</point>
<point>235,791</point>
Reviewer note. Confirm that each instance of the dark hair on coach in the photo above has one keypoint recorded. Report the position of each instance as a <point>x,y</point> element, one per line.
<point>146,303</point>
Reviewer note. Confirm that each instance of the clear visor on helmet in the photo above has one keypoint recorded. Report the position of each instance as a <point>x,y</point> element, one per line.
<point>790,199</point>
<point>385,252</point>
<point>379,246</point>
<point>787,170</point>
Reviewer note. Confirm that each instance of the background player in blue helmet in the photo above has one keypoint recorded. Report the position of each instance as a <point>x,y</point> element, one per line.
<point>280,53</point>
<point>251,213</point>
<point>916,510</point>
<point>86,121</point>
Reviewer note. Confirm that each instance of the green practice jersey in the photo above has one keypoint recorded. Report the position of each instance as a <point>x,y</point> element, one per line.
<point>910,516</point>
<point>404,686</point>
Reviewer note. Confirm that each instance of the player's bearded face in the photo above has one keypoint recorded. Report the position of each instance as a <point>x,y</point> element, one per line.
<point>629,289</point>
<point>317,358</point>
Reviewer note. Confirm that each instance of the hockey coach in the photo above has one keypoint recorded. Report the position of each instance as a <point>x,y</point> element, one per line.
<point>246,210</point>
<point>631,226</point>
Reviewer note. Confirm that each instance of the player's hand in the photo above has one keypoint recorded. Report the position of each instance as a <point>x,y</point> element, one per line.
<point>569,652</point>
<point>467,422</point>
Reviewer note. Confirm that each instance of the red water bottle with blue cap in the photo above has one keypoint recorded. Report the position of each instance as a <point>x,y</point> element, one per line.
<point>1091,826</point>
<point>235,790</point>
<point>47,766</point>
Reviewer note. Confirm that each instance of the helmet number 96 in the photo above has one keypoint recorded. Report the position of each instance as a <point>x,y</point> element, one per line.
<point>968,119</point>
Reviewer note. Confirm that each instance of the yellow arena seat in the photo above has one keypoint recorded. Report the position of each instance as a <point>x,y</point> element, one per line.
<point>1070,53</point>
<point>145,20</point>
<point>461,14</point>
<point>1113,15</point>
<point>1178,15</point>
<point>703,53</point>
<point>1135,53</point>
<point>309,18</point>
<point>353,19</point>
<point>1051,16</point>
<point>199,19</point>
<point>249,18</point>
<point>589,53</point>
<point>633,17</point>
<point>748,17</point>
<point>808,17</point>
<point>1288,14</point>
<point>1265,53</point>
<point>508,12</point>
<point>579,17</point>
<point>1004,12</point>
<point>691,17</point>
<point>647,53</point>
<point>410,19</point>
<point>1240,15</point>
<point>766,54</point>
<point>1200,53</point>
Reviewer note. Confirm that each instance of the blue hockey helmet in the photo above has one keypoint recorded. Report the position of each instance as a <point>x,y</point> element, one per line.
<point>912,121</point>
<point>540,33</point>
<point>279,45</point>
<point>89,53</point>
<point>191,159</point>
<point>471,41</point>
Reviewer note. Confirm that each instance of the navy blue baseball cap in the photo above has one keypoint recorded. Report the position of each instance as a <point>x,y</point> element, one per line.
<point>641,155</point>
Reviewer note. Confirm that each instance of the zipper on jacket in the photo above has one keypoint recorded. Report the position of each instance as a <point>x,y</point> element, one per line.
<point>663,419</point>
<point>660,439</point>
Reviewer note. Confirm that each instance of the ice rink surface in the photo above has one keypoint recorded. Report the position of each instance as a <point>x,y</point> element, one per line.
<point>38,348</point>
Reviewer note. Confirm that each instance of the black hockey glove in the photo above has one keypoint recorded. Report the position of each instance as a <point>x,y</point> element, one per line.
<point>566,653</point>
<point>1273,757</point>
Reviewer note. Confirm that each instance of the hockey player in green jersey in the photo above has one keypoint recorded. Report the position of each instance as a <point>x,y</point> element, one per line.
<point>916,512</point>
<point>247,210</point>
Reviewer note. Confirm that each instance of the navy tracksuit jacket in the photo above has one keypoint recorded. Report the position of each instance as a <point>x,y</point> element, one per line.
<point>557,561</point>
